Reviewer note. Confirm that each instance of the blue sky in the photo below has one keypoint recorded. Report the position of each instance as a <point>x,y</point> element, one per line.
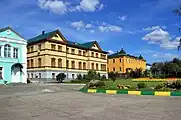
<point>146,27</point>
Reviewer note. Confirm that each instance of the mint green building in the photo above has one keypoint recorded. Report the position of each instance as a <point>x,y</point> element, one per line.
<point>13,68</point>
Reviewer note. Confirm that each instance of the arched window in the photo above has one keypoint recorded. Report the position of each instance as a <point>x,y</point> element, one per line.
<point>80,65</point>
<point>67,64</point>
<point>84,66</point>
<point>97,67</point>
<point>39,62</point>
<point>53,62</point>
<point>73,64</point>
<point>7,50</point>
<point>59,62</point>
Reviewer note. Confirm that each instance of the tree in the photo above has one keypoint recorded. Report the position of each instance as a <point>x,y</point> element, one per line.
<point>177,11</point>
<point>60,77</point>
<point>113,76</point>
<point>79,77</point>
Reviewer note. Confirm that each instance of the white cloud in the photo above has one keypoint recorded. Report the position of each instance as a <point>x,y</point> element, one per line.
<point>92,31</point>
<point>154,28</point>
<point>110,28</point>
<point>81,25</point>
<point>89,5</point>
<point>123,18</point>
<point>56,6</point>
<point>78,25</point>
<point>88,26</point>
<point>110,51</point>
<point>162,38</point>
<point>167,56</point>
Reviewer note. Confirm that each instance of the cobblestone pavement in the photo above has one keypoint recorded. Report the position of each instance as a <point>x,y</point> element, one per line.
<point>58,103</point>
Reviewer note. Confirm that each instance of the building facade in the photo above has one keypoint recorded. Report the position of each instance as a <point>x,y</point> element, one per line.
<point>50,54</point>
<point>12,57</point>
<point>121,62</point>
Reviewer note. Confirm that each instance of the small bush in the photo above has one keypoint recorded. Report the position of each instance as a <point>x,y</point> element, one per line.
<point>79,77</point>
<point>141,85</point>
<point>76,81</point>
<point>103,78</point>
<point>159,86</point>
<point>96,84</point>
<point>28,81</point>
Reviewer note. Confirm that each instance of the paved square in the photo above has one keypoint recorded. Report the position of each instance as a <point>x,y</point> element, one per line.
<point>35,102</point>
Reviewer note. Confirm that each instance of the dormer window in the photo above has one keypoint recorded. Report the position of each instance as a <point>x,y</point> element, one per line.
<point>7,51</point>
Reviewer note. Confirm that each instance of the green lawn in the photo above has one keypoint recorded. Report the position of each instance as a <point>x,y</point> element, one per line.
<point>113,85</point>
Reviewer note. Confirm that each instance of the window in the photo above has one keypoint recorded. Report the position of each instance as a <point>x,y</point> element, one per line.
<point>53,47</point>
<point>73,64</point>
<point>53,75</point>
<point>39,62</point>
<point>80,65</point>
<point>84,53</point>
<point>31,48</point>
<point>92,66</point>
<point>59,48</point>
<point>103,56</point>
<point>52,62</point>
<point>1,73</point>
<point>32,64</point>
<point>39,47</point>
<point>120,69</point>
<point>114,69</point>
<point>97,67</point>
<point>92,54</point>
<point>73,76</point>
<point>15,53</point>
<point>28,75</point>
<point>7,50</point>
<point>84,66</point>
<point>31,75</point>
<point>28,49</point>
<point>80,52</point>
<point>39,75</point>
<point>97,55</point>
<point>67,64</point>
<point>120,60</point>
<point>60,62</point>
<point>103,67</point>
<point>73,51</point>
<point>113,60</point>
<point>67,50</point>
<point>28,63</point>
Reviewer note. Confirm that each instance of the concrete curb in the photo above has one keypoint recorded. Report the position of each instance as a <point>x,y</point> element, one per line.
<point>154,93</point>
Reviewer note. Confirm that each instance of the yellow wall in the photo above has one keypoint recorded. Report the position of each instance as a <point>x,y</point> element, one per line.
<point>126,62</point>
<point>46,54</point>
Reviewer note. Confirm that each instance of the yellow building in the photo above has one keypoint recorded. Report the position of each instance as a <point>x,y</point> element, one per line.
<point>50,54</point>
<point>121,62</point>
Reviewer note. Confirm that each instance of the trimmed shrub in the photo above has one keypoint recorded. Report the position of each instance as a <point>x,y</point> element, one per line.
<point>141,85</point>
<point>159,86</point>
<point>79,77</point>
<point>60,77</point>
<point>103,78</point>
<point>96,84</point>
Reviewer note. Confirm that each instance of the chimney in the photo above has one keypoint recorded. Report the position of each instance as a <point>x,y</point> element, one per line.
<point>43,32</point>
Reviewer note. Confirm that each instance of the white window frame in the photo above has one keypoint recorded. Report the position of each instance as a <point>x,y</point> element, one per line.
<point>0,51</point>
<point>2,72</point>
<point>8,51</point>
<point>15,53</point>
